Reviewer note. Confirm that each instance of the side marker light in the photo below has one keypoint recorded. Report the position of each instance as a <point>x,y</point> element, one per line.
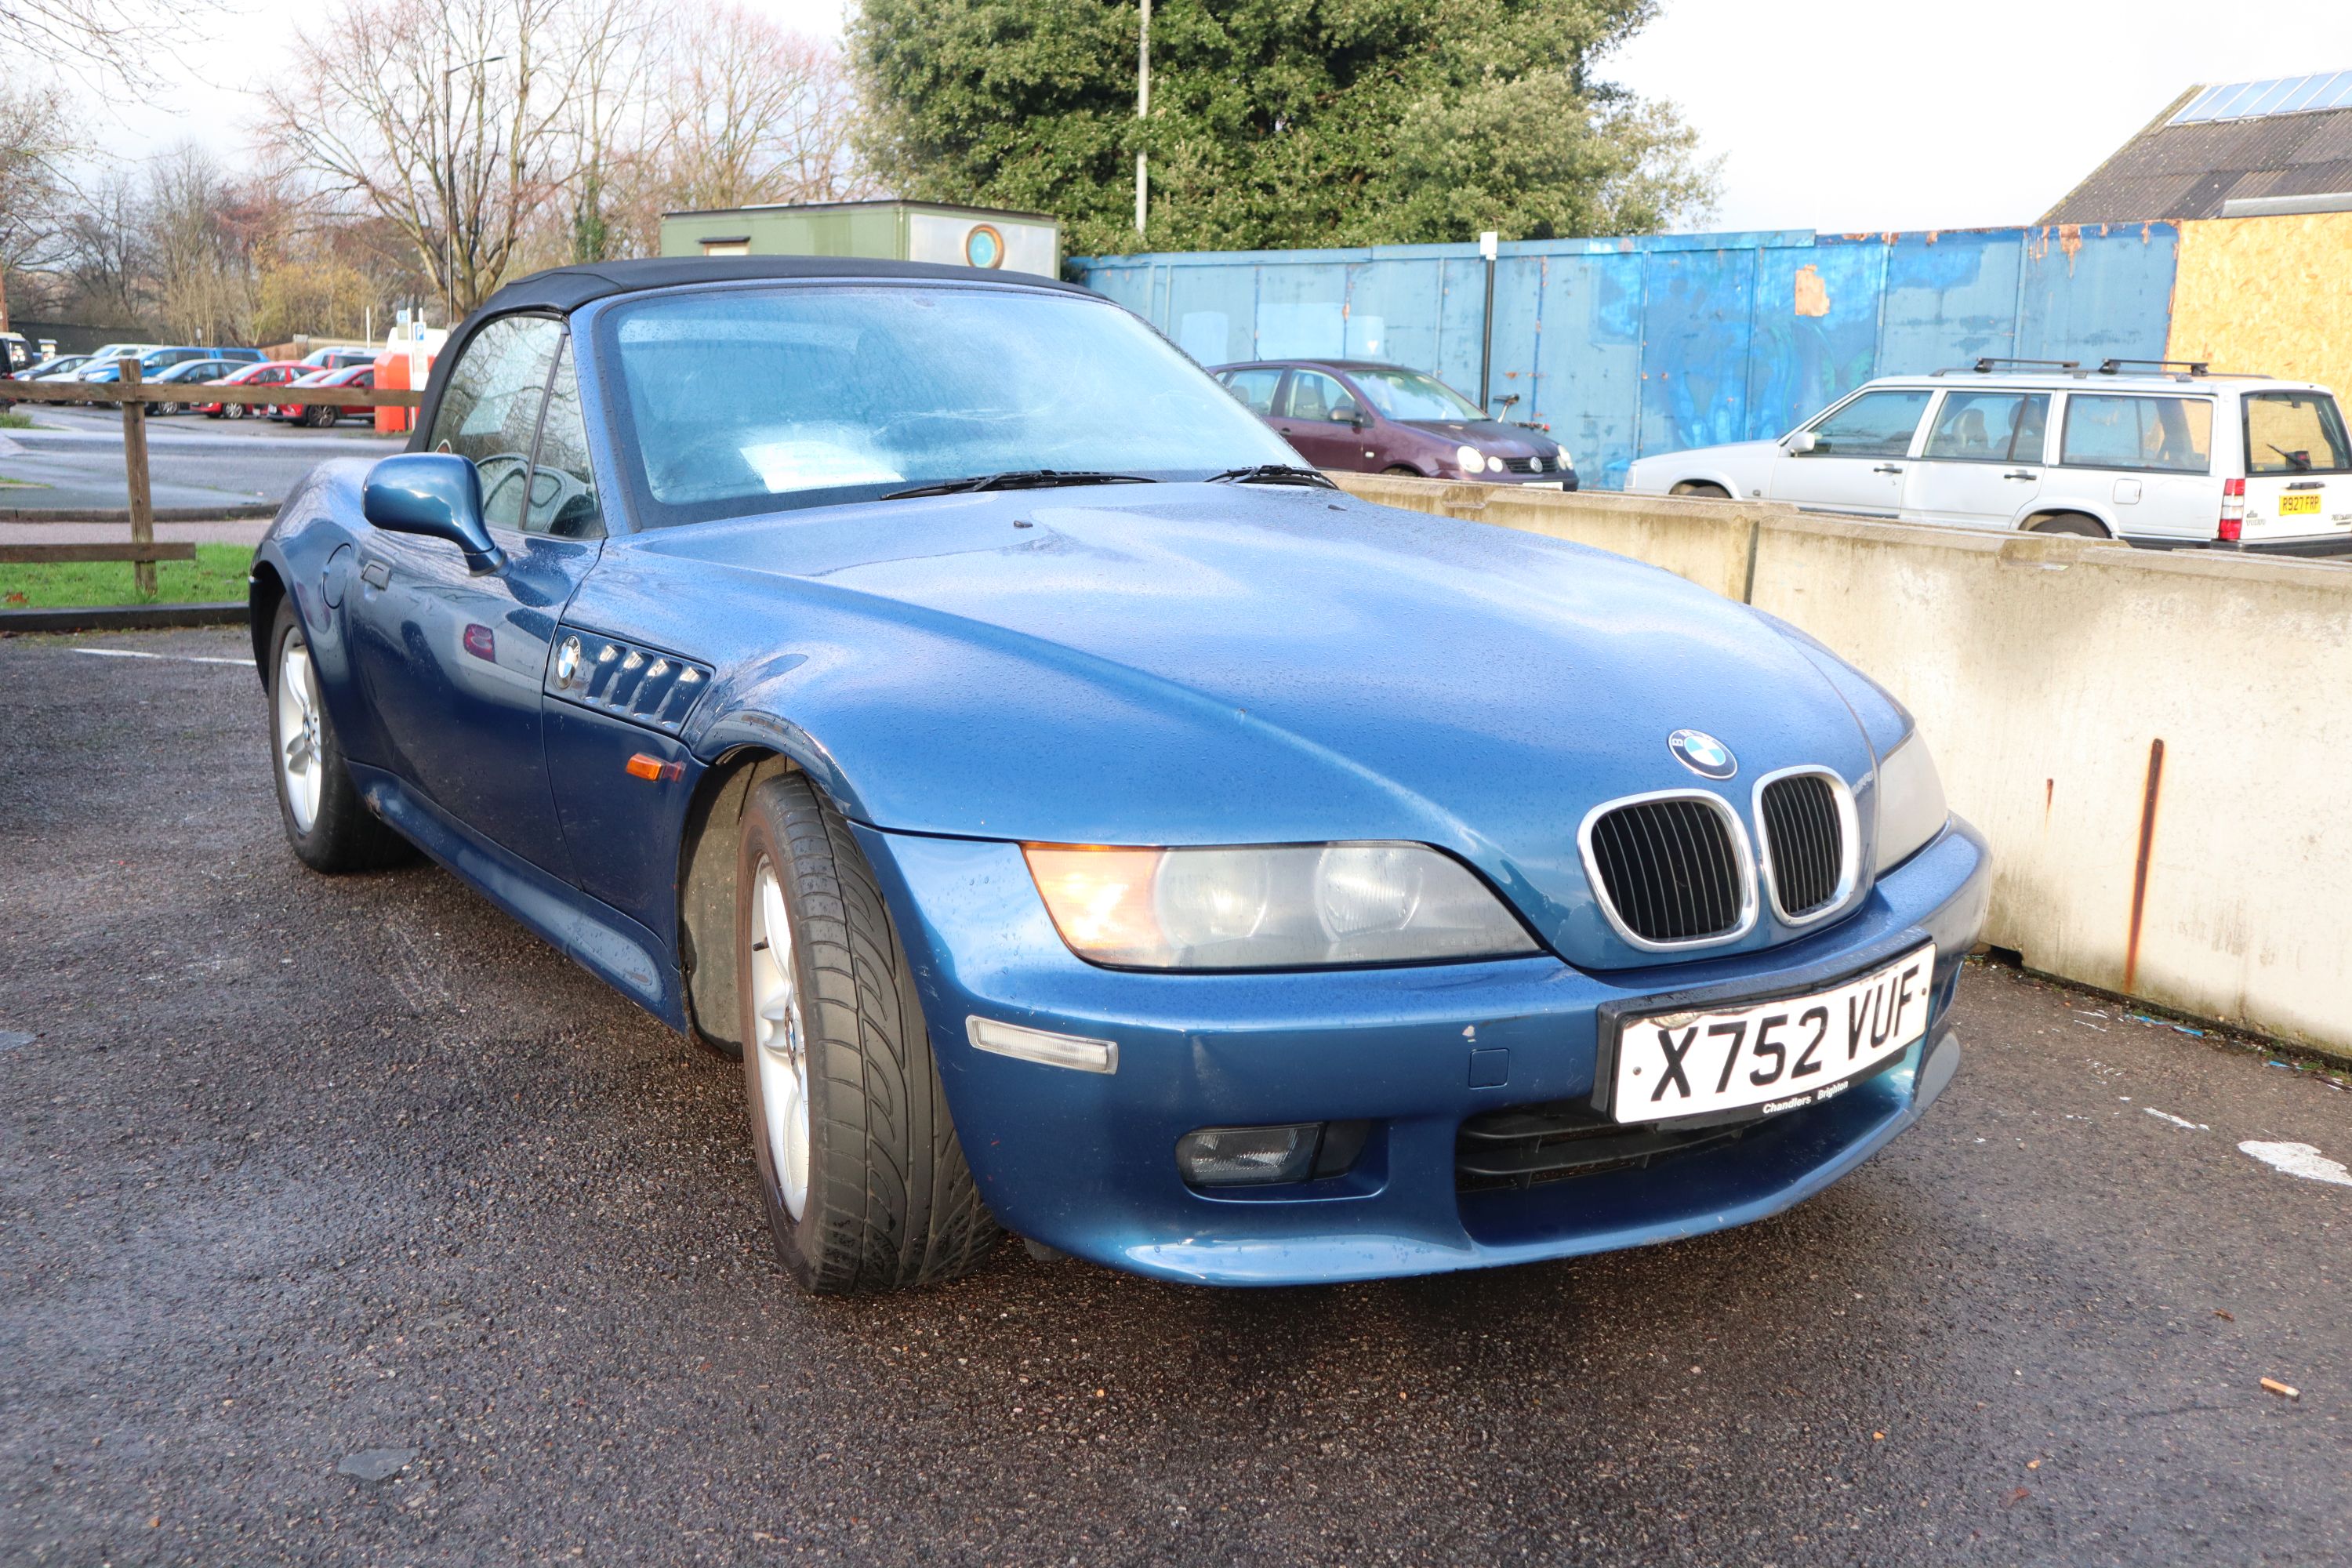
<point>653,769</point>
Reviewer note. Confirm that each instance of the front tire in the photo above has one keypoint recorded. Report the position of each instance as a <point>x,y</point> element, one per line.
<point>1701,489</point>
<point>859,1167</point>
<point>330,828</point>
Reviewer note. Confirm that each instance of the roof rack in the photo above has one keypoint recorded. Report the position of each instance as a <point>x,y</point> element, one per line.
<point>1986,365</point>
<point>2193,367</point>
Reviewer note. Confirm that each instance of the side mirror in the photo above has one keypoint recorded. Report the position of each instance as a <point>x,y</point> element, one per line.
<point>1801,442</point>
<point>435,495</point>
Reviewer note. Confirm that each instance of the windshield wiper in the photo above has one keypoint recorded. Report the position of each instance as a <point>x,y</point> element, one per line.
<point>1272,474</point>
<point>1017,479</point>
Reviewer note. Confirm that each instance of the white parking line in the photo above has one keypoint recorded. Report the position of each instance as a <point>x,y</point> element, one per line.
<point>181,658</point>
<point>2299,1160</point>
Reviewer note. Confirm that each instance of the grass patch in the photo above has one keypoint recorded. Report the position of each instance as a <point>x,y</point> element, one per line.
<point>218,573</point>
<point>12,420</point>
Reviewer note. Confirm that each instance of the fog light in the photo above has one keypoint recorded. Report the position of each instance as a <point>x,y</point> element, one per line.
<point>1248,1156</point>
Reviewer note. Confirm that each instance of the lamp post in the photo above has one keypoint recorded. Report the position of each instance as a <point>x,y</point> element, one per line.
<point>449,186</point>
<point>1142,109</point>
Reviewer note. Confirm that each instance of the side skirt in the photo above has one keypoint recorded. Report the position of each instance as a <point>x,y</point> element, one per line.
<point>599,938</point>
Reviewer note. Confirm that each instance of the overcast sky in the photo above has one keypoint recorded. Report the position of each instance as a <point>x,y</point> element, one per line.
<point>1829,114</point>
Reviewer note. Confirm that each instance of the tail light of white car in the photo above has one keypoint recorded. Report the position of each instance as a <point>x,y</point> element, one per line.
<point>2233,511</point>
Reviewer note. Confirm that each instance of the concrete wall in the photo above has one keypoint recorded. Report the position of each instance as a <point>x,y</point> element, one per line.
<point>1634,345</point>
<point>2270,295</point>
<point>2149,740</point>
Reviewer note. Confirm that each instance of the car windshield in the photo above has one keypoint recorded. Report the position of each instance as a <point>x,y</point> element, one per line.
<point>1409,394</point>
<point>754,400</point>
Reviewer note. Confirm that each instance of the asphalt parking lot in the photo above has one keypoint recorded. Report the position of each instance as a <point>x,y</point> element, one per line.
<point>73,458</point>
<point>346,1223</point>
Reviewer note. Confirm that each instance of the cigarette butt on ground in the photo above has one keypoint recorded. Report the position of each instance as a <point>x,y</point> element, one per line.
<point>2282,1390</point>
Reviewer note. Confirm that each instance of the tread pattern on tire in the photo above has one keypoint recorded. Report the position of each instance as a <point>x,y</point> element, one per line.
<point>899,1204</point>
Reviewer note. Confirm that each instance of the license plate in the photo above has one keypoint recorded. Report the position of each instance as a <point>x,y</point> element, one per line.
<point>1771,1056</point>
<point>2295,506</point>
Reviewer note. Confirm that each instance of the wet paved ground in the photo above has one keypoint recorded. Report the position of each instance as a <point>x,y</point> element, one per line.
<point>73,459</point>
<point>307,1177</point>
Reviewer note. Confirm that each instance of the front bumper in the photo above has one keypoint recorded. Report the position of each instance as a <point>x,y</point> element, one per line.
<point>1085,1162</point>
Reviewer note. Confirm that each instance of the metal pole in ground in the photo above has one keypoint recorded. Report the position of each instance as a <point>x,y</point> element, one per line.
<point>1489,247</point>
<point>134,473</point>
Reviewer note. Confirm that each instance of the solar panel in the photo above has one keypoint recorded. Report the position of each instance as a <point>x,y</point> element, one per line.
<point>2270,95</point>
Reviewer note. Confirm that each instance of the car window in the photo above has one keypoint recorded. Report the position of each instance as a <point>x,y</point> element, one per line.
<point>1317,397</point>
<point>1409,395</point>
<point>1990,427</point>
<point>562,487</point>
<point>489,410</point>
<point>2294,433</point>
<point>2113,430</point>
<point>731,402</point>
<point>1255,388</point>
<point>1875,425</point>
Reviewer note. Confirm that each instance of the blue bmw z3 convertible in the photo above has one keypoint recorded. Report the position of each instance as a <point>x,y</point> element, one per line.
<point>932,689</point>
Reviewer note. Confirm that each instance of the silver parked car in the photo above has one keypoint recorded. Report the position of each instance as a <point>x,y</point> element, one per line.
<point>2159,453</point>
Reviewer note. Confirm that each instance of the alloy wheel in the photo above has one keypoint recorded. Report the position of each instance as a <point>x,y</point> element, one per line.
<point>778,1037</point>
<point>299,763</point>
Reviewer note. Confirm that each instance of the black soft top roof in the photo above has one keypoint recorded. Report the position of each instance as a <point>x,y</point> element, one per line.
<point>566,289</point>
<point>569,288</point>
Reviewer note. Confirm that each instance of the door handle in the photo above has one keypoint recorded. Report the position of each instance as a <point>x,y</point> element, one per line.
<point>2020,474</point>
<point>1887,468</point>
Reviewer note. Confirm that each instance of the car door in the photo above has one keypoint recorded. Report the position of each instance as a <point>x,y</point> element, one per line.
<point>2143,460</point>
<point>1857,457</point>
<point>1319,418</point>
<point>1982,463</point>
<point>2298,466</point>
<point>452,661</point>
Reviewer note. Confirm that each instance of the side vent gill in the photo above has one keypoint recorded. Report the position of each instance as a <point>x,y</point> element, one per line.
<point>642,685</point>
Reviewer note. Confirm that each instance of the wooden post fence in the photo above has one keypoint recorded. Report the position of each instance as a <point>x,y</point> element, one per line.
<point>134,394</point>
<point>135,481</point>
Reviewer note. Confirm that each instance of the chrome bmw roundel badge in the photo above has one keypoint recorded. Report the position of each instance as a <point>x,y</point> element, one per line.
<point>1702,753</point>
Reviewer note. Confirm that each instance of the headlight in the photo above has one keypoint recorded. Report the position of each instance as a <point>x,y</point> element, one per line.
<point>1911,807</point>
<point>1288,907</point>
<point>1473,460</point>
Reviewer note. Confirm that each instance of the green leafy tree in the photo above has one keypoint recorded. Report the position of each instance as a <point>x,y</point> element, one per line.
<point>1276,122</point>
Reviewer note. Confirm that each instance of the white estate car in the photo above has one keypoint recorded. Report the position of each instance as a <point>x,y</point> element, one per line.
<point>2139,451</point>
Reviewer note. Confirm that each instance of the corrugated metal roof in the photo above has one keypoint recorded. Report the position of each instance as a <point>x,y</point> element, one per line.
<point>2177,171</point>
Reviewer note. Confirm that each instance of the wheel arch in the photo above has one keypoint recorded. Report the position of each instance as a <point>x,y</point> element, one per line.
<point>707,851</point>
<point>264,591</point>
<point>2038,515</point>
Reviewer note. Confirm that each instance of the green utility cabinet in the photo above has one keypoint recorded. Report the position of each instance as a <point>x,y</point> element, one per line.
<point>902,231</point>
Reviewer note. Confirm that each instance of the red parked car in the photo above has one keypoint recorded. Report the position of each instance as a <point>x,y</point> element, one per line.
<point>273,372</point>
<point>317,416</point>
<point>1385,418</point>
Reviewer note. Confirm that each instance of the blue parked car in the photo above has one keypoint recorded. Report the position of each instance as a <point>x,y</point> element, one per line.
<point>106,366</point>
<point>932,688</point>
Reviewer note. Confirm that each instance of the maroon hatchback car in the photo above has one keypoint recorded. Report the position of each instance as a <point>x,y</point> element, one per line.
<point>1383,419</point>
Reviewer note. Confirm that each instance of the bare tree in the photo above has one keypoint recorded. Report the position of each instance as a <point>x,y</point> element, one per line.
<point>204,236</point>
<point>102,251</point>
<point>34,150</point>
<point>116,36</point>
<point>752,112</point>
<point>451,120</point>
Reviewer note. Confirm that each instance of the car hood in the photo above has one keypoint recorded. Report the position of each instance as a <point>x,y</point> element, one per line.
<point>1198,664</point>
<point>1487,434</point>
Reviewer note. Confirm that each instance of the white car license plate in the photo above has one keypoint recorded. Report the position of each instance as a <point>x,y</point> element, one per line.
<point>1777,1055</point>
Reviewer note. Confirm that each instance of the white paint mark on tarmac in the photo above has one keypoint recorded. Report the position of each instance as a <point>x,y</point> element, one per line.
<point>178,658</point>
<point>2168,1116</point>
<point>2299,1160</point>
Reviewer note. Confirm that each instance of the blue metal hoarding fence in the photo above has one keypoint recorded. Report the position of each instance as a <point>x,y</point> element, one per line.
<point>1625,347</point>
